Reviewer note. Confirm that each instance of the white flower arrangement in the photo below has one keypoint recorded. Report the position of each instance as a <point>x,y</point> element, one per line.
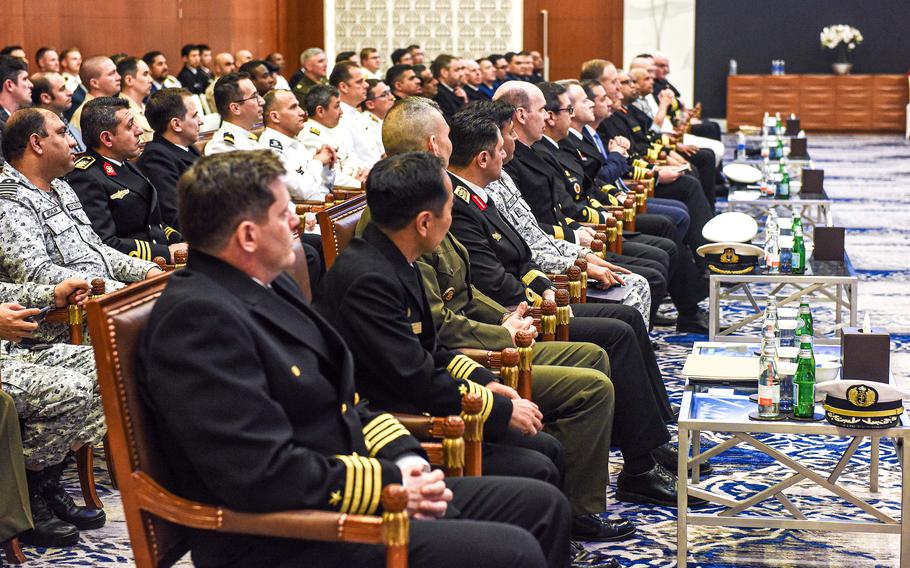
<point>834,36</point>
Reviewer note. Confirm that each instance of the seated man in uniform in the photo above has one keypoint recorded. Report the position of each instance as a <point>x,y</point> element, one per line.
<point>176,122</point>
<point>59,409</point>
<point>323,106</point>
<point>121,203</point>
<point>240,107</point>
<point>267,417</point>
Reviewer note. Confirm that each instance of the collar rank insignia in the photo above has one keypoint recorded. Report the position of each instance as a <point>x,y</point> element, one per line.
<point>462,193</point>
<point>448,294</point>
<point>496,237</point>
<point>300,170</point>
<point>276,144</point>
<point>109,170</point>
<point>229,138</point>
<point>253,137</point>
<point>315,131</point>
<point>120,194</point>
<point>84,162</point>
<point>417,327</point>
<point>479,203</point>
<point>375,118</point>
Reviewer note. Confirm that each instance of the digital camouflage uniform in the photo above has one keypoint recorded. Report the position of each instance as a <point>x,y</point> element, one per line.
<point>54,387</point>
<point>554,255</point>
<point>48,238</point>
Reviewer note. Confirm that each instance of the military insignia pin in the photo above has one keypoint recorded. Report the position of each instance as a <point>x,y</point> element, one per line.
<point>120,194</point>
<point>109,170</point>
<point>496,236</point>
<point>448,294</point>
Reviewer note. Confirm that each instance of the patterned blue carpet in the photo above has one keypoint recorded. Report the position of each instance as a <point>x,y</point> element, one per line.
<point>868,177</point>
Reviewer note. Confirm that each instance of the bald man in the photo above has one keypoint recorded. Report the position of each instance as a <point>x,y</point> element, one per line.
<point>100,78</point>
<point>243,56</point>
<point>224,64</point>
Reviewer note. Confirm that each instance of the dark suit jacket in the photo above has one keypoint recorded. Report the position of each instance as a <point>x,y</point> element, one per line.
<point>542,187</point>
<point>574,202</point>
<point>377,302</point>
<point>163,163</point>
<point>501,263</point>
<point>475,94</point>
<point>448,102</point>
<point>193,82</point>
<point>611,168</point>
<point>254,397</point>
<point>122,205</point>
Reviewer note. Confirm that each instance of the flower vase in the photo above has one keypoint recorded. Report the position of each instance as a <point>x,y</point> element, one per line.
<point>842,66</point>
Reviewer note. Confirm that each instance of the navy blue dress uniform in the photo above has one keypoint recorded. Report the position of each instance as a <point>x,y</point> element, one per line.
<point>377,302</point>
<point>617,329</point>
<point>449,103</point>
<point>122,205</point>
<point>163,162</point>
<point>496,249</point>
<point>195,81</point>
<point>267,418</point>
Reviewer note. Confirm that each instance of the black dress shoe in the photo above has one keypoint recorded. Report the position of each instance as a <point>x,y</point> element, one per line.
<point>49,531</point>
<point>595,527</point>
<point>666,455</point>
<point>656,486</point>
<point>662,321</point>
<point>696,322</point>
<point>581,558</point>
<point>63,505</point>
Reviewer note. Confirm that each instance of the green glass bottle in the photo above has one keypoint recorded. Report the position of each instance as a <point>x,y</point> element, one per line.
<point>804,381</point>
<point>805,316</point>
<point>798,262</point>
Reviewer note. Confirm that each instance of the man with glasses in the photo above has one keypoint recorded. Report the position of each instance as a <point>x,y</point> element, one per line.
<point>240,107</point>
<point>374,108</point>
<point>371,62</point>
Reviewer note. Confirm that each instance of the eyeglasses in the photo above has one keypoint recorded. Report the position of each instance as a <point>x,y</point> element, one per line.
<point>251,97</point>
<point>570,109</point>
<point>382,95</point>
<point>626,82</point>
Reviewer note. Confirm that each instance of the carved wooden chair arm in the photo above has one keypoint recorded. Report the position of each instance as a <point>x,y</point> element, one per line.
<point>390,529</point>
<point>447,454</point>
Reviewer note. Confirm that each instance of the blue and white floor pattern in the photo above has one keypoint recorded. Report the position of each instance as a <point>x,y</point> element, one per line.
<point>868,176</point>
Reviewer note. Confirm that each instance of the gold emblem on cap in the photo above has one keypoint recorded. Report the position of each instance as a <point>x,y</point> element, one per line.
<point>729,257</point>
<point>862,396</point>
<point>448,294</point>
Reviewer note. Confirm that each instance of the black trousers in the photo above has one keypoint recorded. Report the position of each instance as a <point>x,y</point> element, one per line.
<point>654,271</point>
<point>707,129</point>
<point>492,522</point>
<point>315,259</point>
<point>513,454</point>
<point>642,403</point>
<point>706,170</point>
<point>688,190</point>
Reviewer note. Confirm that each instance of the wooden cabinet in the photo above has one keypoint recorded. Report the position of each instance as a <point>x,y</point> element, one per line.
<point>822,102</point>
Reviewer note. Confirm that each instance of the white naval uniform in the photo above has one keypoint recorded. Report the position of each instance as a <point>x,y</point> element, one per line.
<point>231,137</point>
<point>306,178</point>
<point>314,135</point>
<point>353,132</point>
<point>374,130</point>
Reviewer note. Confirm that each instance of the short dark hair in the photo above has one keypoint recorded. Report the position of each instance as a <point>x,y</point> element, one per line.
<point>644,56</point>
<point>342,72</point>
<point>412,47</point>
<point>41,85</point>
<point>203,47</point>
<point>397,55</point>
<point>100,115</point>
<point>319,96</point>
<point>218,192</point>
<point>9,49</point>
<point>509,55</point>
<point>188,48</point>
<point>401,186</point>
<point>441,62</point>
<point>227,91</point>
<point>370,84</point>
<point>498,111</point>
<point>395,73</point>
<point>128,66</point>
<point>41,51</point>
<point>150,57</point>
<point>589,85</point>
<point>551,92</point>
<point>471,133</point>
<point>493,58</point>
<point>20,126</point>
<point>345,56</point>
<point>250,66</point>
<point>164,105</point>
<point>10,67</point>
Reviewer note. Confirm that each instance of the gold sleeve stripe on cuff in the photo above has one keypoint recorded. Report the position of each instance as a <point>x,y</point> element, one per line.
<point>558,233</point>
<point>461,366</point>
<point>486,396</point>
<point>381,431</point>
<point>533,297</point>
<point>532,275</point>
<point>363,484</point>
<point>593,214</point>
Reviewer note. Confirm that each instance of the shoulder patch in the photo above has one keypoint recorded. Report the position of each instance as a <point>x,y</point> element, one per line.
<point>315,131</point>
<point>276,144</point>
<point>84,162</point>
<point>462,193</point>
<point>228,138</point>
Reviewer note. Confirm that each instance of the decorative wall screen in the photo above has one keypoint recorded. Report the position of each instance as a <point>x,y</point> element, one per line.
<point>468,28</point>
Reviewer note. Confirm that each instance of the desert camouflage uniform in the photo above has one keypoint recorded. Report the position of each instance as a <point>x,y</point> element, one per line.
<point>554,255</point>
<point>54,387</point>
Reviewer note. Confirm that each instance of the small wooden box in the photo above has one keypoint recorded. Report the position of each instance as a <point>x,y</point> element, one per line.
<point>799,148</point>
<point>813,181</point>
<point>865,356</point>
<point>829,243</point>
